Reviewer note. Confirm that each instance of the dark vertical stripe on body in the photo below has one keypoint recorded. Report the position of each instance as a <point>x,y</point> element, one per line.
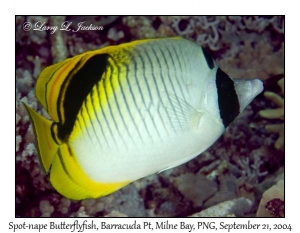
<point>109,81</point>
<point>144,75</point>
<point>148,90</point>
<point>78,121</point>
<point>172,86</point>
<point>117,101</point>
<point>102,109</point>
<point>177,69</point>
<point>70,151</point>
<point>154,80</point>
<point>85,124</point>
<point>227,98</point>
<point>134,72</point>
<point>164,85</point>
<point>90,120</point>
<point>54,132</point>
<point>64,165</point>
<point>183,65</point>
<point>96,114</point>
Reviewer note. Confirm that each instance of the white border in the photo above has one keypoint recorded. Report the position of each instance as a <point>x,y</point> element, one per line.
<point>7,67</point>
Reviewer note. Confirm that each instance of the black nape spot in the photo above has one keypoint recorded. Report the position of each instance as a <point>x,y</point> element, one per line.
<point>227,98</point>
<point>79,87</point>
<point>209,59</point>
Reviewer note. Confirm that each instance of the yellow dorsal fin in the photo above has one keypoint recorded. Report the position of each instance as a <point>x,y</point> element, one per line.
<point>46,145</point>
<point>48,86</point>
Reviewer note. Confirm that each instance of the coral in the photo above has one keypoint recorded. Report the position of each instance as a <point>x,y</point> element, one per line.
<point>115,35</point>
<point>59,50</point>
<point>275,207</point>
<point>29,151</point>
<point>227,185</point>
<point>80,213</point>
<point>129,202</point>
<point>101,20</point>
<point>272,201</point>
<point>232,208</point>
<point>277,113</point>
<point>64,205</point>
<point>249,171</point>
<point>140,26</point>
<point>18,141</point>
<point>24,81</point>
<point>196,188</point>
<point>244,46</point>
<point>116,214</point>
<point>46,208</point>
<point>162,198</point>
<point>256,59</point>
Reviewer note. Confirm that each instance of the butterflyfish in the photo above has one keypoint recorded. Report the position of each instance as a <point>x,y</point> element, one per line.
<point>124,112</point>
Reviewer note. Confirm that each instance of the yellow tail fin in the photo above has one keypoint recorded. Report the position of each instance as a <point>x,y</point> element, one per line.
<point>46,145</point>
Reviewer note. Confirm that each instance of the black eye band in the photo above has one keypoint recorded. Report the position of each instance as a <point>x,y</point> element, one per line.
<point>227,98</point>
<point>209,59</point>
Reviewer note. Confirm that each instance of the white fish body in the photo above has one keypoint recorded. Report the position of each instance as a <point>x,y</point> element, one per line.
<point>158,104</point>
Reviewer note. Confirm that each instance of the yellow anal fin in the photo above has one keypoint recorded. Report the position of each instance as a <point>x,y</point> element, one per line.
<point>68,178</point>
<point>46,145</point>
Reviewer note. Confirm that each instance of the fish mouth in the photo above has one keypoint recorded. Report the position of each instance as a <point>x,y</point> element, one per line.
<point>257,87</point>
<point>247,90</point>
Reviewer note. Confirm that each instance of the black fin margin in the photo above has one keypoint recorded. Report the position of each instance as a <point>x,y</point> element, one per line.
<point>227,98</point>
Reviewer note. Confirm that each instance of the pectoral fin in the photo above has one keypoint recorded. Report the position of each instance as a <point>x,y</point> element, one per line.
<point>181,113</point>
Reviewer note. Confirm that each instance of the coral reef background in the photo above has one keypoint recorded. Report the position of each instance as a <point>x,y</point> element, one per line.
<point>235,171</point>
